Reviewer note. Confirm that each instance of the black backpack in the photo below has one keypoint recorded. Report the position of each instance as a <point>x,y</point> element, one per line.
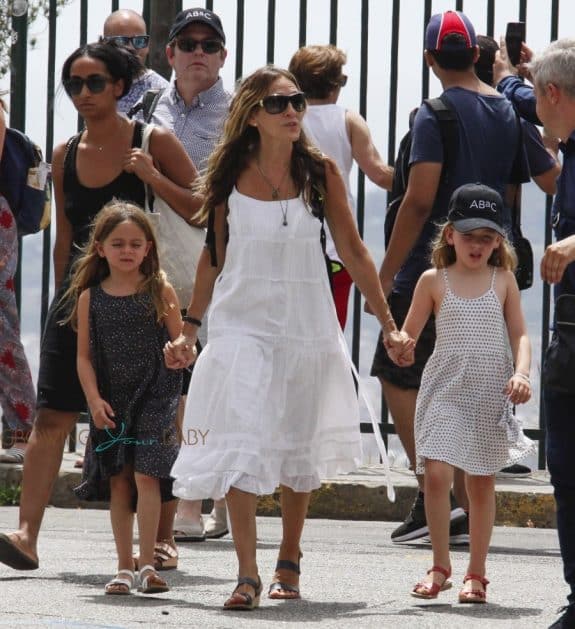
<point>448,129</point>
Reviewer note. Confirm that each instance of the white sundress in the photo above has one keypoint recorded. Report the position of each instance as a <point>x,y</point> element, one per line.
<point>272,398</point>
<point>463,416</point>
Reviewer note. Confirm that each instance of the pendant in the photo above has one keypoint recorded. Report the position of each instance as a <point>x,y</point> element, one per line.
<point>285,222</point>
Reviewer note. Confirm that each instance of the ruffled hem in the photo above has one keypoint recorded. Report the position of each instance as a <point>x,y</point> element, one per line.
<point>216,485</point>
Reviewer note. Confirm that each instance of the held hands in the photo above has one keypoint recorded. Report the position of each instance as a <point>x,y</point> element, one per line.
<point>102,413</point>
<point>181,352</point>
<point>400,348</point>
<point>518,389</point>
<point>140,164</point>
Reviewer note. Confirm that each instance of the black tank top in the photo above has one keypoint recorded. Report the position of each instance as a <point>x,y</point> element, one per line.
<point>82,203</point>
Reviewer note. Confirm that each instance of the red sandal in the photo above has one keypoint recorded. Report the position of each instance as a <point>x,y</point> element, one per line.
<point>474,596</point>
<point>431,590</point>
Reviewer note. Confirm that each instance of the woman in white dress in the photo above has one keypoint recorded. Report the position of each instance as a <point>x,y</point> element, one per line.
<point>272,399</point>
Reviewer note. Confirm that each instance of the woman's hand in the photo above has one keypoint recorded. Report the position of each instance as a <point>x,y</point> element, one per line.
<point>400,348</point>
<point>101,413</point>
<point>140,164</point>
<point>518,389</point>
<point>181,352</point>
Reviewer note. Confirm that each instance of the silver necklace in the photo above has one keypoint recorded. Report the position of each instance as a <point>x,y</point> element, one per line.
<point>276,192</point>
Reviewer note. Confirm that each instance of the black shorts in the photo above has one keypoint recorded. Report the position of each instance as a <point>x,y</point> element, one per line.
<point>383,367</point>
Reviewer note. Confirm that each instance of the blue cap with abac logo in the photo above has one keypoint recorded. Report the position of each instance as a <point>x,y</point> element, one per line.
<point>476,206</point>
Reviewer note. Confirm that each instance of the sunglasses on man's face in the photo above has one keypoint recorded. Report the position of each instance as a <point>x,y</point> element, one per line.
<point>277,103</point>
<point>96,83</point>
<point>137,41</point>
<point>209,46</point>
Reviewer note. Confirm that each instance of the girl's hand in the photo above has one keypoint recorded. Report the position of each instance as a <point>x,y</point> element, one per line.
<point>141,164</point>
<point>102,413</point>
<point>518,389</point>
<point>400,348</point>
<point>180,353</point>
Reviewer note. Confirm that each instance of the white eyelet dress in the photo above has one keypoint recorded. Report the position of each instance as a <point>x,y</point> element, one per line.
<point>463,416</point>
<point>272,398</point>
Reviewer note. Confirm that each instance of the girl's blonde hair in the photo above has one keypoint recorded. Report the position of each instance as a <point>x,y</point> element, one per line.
<point>443,254</point>
<point>90,268</point>
<point>240,143</point>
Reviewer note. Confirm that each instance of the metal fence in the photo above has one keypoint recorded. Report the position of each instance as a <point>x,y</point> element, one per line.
<point>397,13</point>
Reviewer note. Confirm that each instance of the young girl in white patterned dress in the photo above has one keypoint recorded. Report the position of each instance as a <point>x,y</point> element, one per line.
<point>478,371</point>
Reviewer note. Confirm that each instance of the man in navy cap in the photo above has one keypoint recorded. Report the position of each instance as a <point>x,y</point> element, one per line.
<point>487,150</point>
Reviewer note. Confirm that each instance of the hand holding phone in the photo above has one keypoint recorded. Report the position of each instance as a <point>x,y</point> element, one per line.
<point>514,37</point>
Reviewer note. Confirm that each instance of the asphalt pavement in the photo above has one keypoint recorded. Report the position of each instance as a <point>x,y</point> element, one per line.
<point>352,576</point>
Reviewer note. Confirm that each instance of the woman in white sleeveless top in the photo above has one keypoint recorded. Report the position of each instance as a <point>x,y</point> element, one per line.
<point>340,134</point>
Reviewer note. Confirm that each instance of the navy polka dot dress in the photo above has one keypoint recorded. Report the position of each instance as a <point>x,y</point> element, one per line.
<point>126,343</point>
<point>463,416</point>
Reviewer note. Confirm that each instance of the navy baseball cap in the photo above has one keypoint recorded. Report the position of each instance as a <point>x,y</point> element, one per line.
<point>475,206</point>
<point>451,22</point>
<point>200,16</point>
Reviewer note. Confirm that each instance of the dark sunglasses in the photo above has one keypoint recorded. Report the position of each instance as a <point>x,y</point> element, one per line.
<point>96,83</point>
<point>209,46</point>
<point>277,103</point>
<point>342,80</point>
<point>137,41</point>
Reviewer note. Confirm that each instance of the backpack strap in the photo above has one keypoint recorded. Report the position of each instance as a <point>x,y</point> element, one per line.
<point>448,128</point>
<point>147,105</point>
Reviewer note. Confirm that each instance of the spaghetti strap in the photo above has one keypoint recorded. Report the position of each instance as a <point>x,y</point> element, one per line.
<point>493,277</point>
<point>446,279</point>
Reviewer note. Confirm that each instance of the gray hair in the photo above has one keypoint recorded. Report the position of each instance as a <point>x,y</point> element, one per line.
<point>556,64</point>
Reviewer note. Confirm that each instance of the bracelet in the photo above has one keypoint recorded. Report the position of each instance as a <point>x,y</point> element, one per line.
<point>192,320</point>
<point>522,375</point>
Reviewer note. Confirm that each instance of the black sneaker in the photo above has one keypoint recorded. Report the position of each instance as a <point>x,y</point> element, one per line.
<point>459,532</point>
<point>566,620</point>
<point>415,524</point>
<point>514,471</point>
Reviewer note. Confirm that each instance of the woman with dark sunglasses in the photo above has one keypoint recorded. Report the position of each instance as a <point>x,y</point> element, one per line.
<point>101,163</point>
<point>127,27</point>
<point>272,392</point>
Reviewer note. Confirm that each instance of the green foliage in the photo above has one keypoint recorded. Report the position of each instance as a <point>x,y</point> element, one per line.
<point>35,8</point>
<point>10,495</point>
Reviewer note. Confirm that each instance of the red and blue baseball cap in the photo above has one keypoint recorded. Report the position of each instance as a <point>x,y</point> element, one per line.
<point>451,22</point>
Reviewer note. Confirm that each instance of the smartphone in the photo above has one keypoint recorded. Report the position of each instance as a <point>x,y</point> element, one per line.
<point>514,36</point>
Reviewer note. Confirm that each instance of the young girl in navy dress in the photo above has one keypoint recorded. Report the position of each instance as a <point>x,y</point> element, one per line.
<point>478,371</point>
<point>125,311</point>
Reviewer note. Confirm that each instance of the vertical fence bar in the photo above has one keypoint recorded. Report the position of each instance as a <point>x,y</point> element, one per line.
<point>302,22</point>
<point>425,69</point>
<point>333,22</point>
<point>50,95</point>
<point>19,62</point>
<point>115,5</point>
<point>240,38</point>
<point>490,26</point>
<point>271,31</point>
<point>363,73</point>
<point>146,13</point>
<point>546,298</point>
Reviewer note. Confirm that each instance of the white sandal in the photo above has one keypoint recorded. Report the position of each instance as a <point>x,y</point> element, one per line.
<point>152,583</point>
<point>116,585</point>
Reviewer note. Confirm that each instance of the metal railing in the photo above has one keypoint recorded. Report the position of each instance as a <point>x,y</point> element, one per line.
<point>363,10</point>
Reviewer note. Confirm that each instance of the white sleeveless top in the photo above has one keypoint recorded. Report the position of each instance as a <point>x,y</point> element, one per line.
<point>325,127</point>
<point>463,416</point>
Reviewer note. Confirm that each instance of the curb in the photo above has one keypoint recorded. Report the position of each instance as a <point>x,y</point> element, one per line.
<point>363,496</point>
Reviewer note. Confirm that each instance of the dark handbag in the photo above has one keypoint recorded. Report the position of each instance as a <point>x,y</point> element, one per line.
<point>524,270</point>
<point>559,365</point>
